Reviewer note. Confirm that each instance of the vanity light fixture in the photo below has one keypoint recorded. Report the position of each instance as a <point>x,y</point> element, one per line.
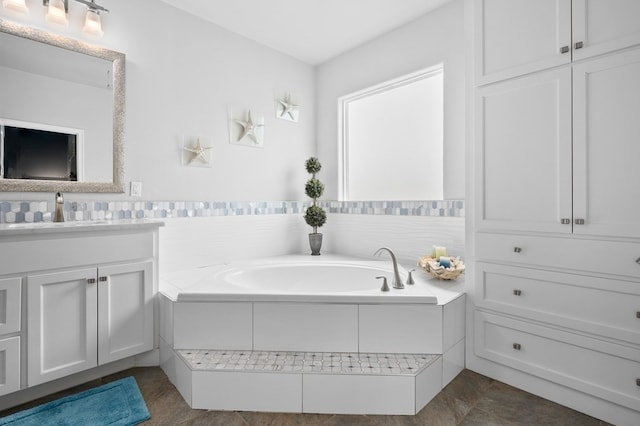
<point>92,22</point>
<point>16,5</point>
<point>57,11</point>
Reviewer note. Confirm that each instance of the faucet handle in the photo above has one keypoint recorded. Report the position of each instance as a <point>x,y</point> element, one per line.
<point>410,280</point>
<point>385,286</point>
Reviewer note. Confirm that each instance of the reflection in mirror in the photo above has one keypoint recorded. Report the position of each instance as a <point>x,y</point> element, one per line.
<point>56,85</point>
<point>31,151</point>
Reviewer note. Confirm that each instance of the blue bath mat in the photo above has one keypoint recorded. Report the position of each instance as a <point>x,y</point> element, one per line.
<point>117,403</point>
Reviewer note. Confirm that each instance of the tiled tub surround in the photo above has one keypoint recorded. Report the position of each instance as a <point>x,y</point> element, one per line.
<point>42,211</point>
<point>308,334</point>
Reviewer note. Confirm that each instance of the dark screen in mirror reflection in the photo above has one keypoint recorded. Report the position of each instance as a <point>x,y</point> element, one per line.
<point>39,155</point>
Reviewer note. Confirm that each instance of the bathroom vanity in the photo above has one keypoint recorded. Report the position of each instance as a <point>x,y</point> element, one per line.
<point>74,296</point>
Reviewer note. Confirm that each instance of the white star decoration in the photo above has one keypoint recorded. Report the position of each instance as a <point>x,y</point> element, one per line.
<point>249,129</point>
<point>287,108</point>
<point>199,152</point>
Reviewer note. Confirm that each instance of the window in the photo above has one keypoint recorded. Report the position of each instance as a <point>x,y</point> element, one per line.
<point>392,140</point>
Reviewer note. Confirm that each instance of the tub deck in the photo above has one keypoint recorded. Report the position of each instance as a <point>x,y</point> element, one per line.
<point>304,278</point>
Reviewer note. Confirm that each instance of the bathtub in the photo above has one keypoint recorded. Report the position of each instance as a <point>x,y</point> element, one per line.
<point>296,278</point>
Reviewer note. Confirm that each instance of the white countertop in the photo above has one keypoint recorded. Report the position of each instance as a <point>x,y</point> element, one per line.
<point>24,228</point>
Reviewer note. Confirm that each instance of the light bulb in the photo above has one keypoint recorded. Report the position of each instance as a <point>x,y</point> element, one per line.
<point>92,23</point>
<point>17,5</point>
<point>56,13</point>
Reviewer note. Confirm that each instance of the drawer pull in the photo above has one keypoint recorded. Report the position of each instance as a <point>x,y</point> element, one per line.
<point>517,249</point>
<point>579,45</point>
<point>579,221</point>
<point>517,293</point>
<point>638,314</point>
<point>103,279</point>
<point>517,346</point>
<point>637,382</point>
<point>564,49</point>
<point>638,261</point>
<point>91,280</point>
<point>565,221</point>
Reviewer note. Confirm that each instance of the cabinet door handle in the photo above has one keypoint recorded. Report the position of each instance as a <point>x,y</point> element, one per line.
<point>579,221</point>
<point>91,280</point>
<point>638,261</point>
<point>103,279</point>
<point>517,293</point>
<point>517,346</point>
<point>578,45</point>
<point>517,249</point>
<point>565,221</point>
<point>564,49</point>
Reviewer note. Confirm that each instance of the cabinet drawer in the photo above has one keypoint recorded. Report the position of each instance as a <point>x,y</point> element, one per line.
<point>606,257</point>
<point>591,366</point>
<point>594,305</point>
<point>9,365</point>
<point>10,303</point>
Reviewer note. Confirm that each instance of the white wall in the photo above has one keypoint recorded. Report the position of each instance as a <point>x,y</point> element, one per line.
<point>181,73</point>
<point>437,37</point>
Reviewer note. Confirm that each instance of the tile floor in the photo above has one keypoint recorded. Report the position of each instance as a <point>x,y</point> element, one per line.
<point>469,400</point>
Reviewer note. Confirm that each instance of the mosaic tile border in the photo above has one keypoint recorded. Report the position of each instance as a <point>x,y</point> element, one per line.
<point>42,211</point>
<point>307,362</point>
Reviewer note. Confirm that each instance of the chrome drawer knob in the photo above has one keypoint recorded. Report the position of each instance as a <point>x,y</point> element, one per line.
<point>517,293</point>
<point>517,249</point>
<point>517,346</point>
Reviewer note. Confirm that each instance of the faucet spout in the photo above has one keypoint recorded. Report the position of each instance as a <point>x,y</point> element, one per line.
<point>397,281</point>
<point>59,213</point>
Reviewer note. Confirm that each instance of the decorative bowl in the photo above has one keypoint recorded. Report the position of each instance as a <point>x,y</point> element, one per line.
<point>433,267</point>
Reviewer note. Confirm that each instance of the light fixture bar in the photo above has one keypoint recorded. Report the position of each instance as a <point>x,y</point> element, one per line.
<point>92,5</point>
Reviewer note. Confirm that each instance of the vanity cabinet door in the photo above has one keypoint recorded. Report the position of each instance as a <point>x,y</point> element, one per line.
<point>10,305</point>
<point>125,310</point>
<point>9,365</point>
<point>62,324</point>
<point>523,154</point>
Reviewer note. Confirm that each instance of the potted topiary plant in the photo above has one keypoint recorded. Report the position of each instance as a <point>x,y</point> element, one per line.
<point>315,216</point>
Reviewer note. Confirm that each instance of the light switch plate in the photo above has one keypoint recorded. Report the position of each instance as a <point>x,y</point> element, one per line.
<point>136,189</point>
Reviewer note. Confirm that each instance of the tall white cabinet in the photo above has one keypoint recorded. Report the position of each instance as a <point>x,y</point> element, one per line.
<point>555,304</point>
<point>78,296</point>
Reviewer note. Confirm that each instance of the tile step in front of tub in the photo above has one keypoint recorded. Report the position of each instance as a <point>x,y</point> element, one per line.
<point>310,382</point>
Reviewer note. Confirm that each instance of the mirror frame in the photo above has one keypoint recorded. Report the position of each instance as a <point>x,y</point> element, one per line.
<point>118,61</point>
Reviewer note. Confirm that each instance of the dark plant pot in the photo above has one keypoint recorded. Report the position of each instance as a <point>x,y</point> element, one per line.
<point>315,242</point>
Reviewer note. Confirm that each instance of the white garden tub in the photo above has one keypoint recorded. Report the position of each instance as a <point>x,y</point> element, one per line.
<point>300,278</point>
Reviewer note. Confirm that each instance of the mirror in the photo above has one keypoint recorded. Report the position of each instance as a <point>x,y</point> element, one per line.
<point>54,82</point>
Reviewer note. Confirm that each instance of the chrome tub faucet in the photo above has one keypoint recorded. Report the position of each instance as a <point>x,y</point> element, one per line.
<point>59,213</point>
<point>397,281</point>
